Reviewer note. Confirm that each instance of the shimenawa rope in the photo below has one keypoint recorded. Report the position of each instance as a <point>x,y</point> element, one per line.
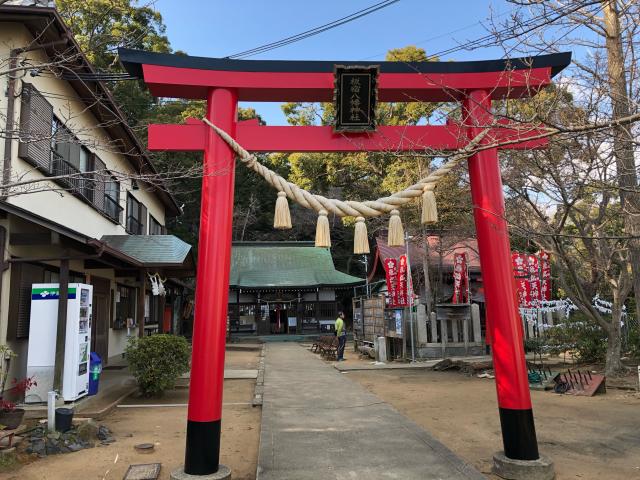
<point>351,208</point>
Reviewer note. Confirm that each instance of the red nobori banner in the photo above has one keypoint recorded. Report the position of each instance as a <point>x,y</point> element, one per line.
<point>460,278</point>
<point>534,281</point>
<point>391,270</point>
<point>403,282</point>
<point>397,272</point>
<point>545,267</point>
<point>519,266</point>
<point>533,278</point>
<point>521,274</point>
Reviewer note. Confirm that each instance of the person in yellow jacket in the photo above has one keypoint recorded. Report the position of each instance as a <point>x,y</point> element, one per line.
<point>341,333</point>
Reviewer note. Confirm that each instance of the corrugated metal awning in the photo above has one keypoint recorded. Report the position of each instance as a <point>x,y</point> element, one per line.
<point>164,251</point>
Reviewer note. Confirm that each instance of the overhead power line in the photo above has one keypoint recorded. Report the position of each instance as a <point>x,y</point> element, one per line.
<point>314,31</point>
<point>525,27</point>
<point>97,76</point>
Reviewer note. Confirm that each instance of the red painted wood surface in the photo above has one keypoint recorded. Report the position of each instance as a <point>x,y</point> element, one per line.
<point>166,319</point>
<point>176,82</point>
<point>256,138</point>
<point>214,260</point>
<point>503,317</point>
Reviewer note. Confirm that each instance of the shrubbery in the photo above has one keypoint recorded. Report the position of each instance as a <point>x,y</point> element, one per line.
<point>587,341</point>
<point>534,345</point>
<point>633,344</point>
<point>591,343</point>
<point>157,361</point>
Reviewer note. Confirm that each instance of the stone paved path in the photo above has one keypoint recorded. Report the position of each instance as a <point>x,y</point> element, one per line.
<point>317,424</point>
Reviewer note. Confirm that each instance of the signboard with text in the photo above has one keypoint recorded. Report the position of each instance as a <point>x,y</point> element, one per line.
<point>355,95</point>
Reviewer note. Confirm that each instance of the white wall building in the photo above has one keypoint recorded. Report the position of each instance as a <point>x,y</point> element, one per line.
<point>71,195</point>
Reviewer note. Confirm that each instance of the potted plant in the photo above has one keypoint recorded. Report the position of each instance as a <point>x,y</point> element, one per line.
<point>10,415</point>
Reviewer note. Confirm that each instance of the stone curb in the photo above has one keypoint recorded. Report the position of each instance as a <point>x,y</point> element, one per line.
<point>100,414</point>
<point>258,393</point>
<point>96,414</point>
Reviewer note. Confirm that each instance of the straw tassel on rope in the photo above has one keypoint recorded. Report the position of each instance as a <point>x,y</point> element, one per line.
<point>323,236</point>
<point>396,232</point>
<point>341,208</point>
<point>282,217</point>
<point>360,238</point>
<point>429,206</point>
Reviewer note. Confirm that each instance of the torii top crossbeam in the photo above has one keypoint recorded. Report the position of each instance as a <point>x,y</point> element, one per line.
<point>179,76</point>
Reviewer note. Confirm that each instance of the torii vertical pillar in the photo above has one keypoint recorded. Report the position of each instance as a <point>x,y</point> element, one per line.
<point>503,318</point>
<point>202,455</point>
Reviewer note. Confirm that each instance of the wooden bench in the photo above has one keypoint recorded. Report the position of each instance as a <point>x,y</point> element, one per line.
<point>316,347</point>
<point>326,346</point>
<point>329,348</point>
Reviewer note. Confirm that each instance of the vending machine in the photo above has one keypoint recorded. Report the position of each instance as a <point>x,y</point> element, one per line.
<point>42,341</point>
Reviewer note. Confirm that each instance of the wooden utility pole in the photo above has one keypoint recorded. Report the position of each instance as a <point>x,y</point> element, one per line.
<point>623,149</point>
<point>61,331</point>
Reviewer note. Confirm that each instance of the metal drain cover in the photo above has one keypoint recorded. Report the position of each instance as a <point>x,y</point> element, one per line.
<point>144,447</point>
<point>147,471</point>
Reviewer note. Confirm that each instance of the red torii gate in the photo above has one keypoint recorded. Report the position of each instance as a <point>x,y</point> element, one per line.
<point>224,82</point>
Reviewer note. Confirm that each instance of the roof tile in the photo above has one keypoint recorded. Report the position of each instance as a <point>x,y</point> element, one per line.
<point>289,264</point>
<point>150,249</point>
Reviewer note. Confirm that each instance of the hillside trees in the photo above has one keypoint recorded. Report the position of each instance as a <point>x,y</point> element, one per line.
<point>598,206</point>
<point>100,27</point>
<point>565,200</point>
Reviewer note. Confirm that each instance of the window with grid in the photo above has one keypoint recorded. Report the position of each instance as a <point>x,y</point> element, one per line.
<point>47,144</point>
<point>71,161</point>
<point>125,307</point>
<point>155,227</point>
<point>112,206</point>
<point>36,123</point>
<point>136,216</point>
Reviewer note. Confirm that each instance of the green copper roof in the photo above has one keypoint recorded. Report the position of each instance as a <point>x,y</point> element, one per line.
<point>151,250</point>
<point>285,264</point>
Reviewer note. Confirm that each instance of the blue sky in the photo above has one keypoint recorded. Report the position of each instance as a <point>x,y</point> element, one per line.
<point>217,28</point>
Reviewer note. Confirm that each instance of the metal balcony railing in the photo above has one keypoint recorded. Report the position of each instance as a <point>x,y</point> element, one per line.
<point>71,178</point>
